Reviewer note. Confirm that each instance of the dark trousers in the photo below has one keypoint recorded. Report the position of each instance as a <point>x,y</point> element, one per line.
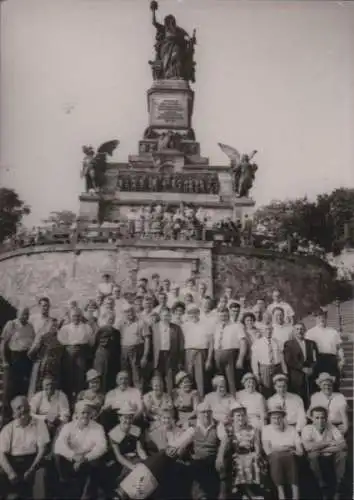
<point>16,378</point>
<point>21,488</point>
<point>82,483</point>
<point>130,362</point>
<point>164,367</point>
<point>225,361</point>
<point>195,366</point>
<point>206,481</point>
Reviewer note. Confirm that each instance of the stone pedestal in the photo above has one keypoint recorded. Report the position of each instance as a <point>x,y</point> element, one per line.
<point>170,105</point>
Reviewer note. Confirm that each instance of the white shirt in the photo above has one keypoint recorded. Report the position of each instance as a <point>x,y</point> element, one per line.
<point>294,407</point>
<point>116,398</point>
<point>328,340</point>
<point>165,337</point>
<point>282,333</point>
<point>119,306</point>
<point>76,334</point>
<point>228,336</point>
<point>105,288</point>
<point>17,440</point>
<point>278,438</point>
<point>57,406</point>
<point>336,405</point>
<point>196,335</point>
<point>260,353</point>
<point>72,440</point>
<point>209,319</point>
<point>255,405</point>
<point>311,435</point>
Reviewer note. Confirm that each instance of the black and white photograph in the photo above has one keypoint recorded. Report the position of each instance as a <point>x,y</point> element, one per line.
<point>176,249</point>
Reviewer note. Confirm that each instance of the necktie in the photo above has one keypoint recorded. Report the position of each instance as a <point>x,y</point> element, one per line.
<point>270,352</point>
<point>221,336</point>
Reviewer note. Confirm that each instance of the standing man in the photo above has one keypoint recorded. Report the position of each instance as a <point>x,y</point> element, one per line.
<point>329,345</point>
<point>300,356</point>
<point>168,348</point>
<point>229,346</point>
<point>162,301</point>
<point>119,303</point>
<point>282,331</point>
<point>42,322</point>
<point>135,345</point>
<point>267,360</point>
<point>197,344</point>
<point>201,293</point>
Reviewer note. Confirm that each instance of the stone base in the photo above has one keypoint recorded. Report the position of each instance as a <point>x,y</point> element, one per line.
<point>89,207</point>
<point>170,105</point>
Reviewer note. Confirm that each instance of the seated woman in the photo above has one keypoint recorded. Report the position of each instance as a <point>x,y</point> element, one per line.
<point>50,405</point>
<point>23,444</point>
<point>185,400</point>
<point>281,443</point>
<point>220,400</point>
<point>77,450</point>
<point>335,402</point>
<point>117,397</point>
<point>253,401</point>
<point>243,440</point>
<point>126,442</point>
<point>93,393</point>
<point>154,400</point>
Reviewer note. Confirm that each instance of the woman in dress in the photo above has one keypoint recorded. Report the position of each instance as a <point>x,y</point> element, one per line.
<point>90,315</point>
<point>107,352</point>
<point>335,402</point>
<point>253,401</point>
<point>252,333</point>
<point>126,443</point>
<point>154,401</point>
<point>247,467</point>
<point>185,400</point>
<point>93,393</point>
<point>47,354</point>
<point>220,400</point>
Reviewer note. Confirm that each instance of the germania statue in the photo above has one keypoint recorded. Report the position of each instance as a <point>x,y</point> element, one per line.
<point>174,50</point>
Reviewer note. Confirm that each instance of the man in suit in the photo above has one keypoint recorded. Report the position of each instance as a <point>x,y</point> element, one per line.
<point>168,348</point>
<point>300,356</point>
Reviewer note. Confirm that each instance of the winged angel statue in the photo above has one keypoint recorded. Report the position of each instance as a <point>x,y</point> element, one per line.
<point>243,170</point>
<point>94,164</point>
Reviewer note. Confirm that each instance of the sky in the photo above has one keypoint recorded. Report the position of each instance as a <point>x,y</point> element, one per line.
<point>274,76</point>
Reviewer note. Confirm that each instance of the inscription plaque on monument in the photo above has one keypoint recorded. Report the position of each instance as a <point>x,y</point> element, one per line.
<point>169,110</point>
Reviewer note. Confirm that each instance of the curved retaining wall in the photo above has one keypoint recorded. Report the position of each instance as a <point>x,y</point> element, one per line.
<point>65,272</point>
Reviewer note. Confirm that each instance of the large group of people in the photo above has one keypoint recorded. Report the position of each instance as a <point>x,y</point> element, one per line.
<point>242,393</point>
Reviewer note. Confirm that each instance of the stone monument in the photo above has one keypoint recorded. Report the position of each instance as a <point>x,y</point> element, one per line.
<point>169,167</point>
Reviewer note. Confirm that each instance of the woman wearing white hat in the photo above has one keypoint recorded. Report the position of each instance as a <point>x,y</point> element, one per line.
<point>93,392</point>
<point>185,399</point>
<point>244,443</point>
<point>154,401</point>
<point>281,443</point>
<point>253,401</point>
<point>125,440</point>
<point>335,402</point>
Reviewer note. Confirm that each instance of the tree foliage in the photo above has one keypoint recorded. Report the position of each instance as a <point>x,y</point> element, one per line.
<point>12,210</point>
<point>321,221</point>
<point>61,218</point>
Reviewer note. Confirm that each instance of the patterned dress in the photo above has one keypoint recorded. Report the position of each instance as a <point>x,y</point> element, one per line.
<point>247,467</point>
<point>153,405</point>
<point>185,404</point>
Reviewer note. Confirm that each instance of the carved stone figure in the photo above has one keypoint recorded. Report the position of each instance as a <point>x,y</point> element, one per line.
<point>94,164</point>
<point>243,170</point>
<point>174,49</point>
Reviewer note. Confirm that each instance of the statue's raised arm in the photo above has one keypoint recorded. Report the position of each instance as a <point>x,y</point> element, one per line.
<point>174,49</point>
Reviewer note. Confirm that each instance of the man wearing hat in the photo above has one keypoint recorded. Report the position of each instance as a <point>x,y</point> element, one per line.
<point>77,450</point>
<point>329,345</point>
<point>135,345</point>
<point>197,344</point>
<point>326,450</point>
<point>335,402</point>
<point>207,464</point>
<point>281,443</point>
<point>291,403</point>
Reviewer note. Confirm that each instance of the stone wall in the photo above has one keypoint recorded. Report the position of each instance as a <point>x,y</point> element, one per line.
<point>64,273</point>
<point>305,282</point>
